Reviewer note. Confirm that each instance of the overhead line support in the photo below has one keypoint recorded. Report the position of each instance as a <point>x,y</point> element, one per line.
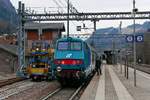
<point>87,16</point>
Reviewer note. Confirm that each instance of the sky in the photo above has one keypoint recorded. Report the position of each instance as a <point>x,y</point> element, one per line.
<point>93,6</point>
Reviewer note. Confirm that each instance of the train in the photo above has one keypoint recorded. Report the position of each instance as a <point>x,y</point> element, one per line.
<point>74,60</point>
<point>40,61</point>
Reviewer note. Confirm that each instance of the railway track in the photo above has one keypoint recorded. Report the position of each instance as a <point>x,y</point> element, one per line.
<point>143,68</point>
<point>10,81</point>
<point>15,88</point>
<point>27,90</point>
<point>64,93</point>
<point>68,93</point>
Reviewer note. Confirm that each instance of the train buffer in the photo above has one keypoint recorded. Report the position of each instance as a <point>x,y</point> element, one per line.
<point>112,85</point>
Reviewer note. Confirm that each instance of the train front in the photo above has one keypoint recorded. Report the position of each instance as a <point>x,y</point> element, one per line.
<point>39,62</point>
<point>69,60</point>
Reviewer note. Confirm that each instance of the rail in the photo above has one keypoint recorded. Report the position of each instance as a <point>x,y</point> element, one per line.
<point>10,81</point>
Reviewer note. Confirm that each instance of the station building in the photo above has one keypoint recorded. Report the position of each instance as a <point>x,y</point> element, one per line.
<point>48,32</point>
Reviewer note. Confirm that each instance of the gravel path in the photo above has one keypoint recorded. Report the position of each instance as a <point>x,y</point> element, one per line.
<point>16,88</point>
<point>35,91</point>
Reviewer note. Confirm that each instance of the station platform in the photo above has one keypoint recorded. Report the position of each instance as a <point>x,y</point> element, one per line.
<point>113,85</point>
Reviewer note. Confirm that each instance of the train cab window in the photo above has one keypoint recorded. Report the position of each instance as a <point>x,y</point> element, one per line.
<point>63,45</point>
<point>75,45</point>
<point>69,46</point>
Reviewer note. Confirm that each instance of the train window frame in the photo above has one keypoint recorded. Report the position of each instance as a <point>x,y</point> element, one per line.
<point>62,49</point>
<point>69,46</point>
<point>76,42</point>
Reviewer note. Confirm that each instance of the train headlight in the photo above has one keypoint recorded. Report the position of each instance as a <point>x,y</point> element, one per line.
<point>59,69</point>
<point>33,66</point>
<point>37,49</point>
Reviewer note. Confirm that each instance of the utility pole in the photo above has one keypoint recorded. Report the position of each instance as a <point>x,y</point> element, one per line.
<point>21,40</point>
<point>94,26</point>
<point>113,49</point>
<point>68,19</point>
<point>19,34</point>
<point>120,29</point>
<point>134,12</point>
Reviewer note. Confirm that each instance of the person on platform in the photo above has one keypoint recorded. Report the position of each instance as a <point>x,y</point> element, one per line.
<point>98,65</point>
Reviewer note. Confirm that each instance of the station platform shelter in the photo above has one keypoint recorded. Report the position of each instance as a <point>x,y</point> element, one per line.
<point>113,85</point>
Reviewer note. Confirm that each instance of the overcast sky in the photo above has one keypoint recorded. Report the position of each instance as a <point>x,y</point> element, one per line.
<point>94,6</point>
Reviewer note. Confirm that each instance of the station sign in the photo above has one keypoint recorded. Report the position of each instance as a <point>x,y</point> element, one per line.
<point>139,38</point>
<point>130,38</point>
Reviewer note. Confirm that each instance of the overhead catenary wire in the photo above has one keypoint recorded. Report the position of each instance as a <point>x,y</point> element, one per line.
<point>62,5</point>
<point>60,1</point>
<point>62,11</point>
<point>72,9</point>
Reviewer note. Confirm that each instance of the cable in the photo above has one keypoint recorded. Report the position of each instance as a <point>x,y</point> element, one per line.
<point>59,6</point>
<point>61,2</point>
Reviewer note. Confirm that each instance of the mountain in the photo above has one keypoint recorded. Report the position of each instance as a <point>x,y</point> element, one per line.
<point>8,17</point>
<point>127,30</point>
<point>146,26</point>
<point>136,26</point>
<point>109,38</point>
<point>107,31</point>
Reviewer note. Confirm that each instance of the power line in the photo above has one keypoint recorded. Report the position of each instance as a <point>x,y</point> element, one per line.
<point>72,8</point>
<point>61,2</point>
<point>58,5</point>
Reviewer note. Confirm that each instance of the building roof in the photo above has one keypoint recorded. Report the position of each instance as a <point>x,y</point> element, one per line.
<point>52,26</point>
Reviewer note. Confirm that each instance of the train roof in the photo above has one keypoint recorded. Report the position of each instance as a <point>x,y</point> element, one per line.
<point>70,39</point>
<point>76,39</point>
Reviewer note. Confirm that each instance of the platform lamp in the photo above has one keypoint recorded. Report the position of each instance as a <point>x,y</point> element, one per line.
<point>68,6</point>
<point>134,43</point>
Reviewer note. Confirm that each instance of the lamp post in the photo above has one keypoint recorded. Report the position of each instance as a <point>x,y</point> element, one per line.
<point>68,19</point>
<point>134,45</point>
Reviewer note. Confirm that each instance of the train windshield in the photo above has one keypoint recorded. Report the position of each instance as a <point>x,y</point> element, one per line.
<point>63,46</point>
<point>75,45</point>
<point>69,46</point>
<point>41,45</point>
<point>39,59</point>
